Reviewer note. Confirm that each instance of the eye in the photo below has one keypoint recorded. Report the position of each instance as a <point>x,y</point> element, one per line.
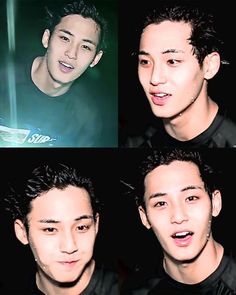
<point>83,228</point>
<point>64,38</point>
<point>160,204</point>
<point>173,62</point>
<point>192,198</point>
<point>86,47</point>
<point>49,230</point>
<point>144,62</point>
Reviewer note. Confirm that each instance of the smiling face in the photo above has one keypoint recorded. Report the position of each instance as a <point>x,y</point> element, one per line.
<point>178,209</point>
<point>168,71</point>
<point>62,233</point>
<point>71,48</point>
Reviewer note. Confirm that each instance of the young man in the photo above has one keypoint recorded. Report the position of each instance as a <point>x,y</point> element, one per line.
<point>56,212</point>
<point>51,109</point>
<point>178,199</point>
<point>179,52</point>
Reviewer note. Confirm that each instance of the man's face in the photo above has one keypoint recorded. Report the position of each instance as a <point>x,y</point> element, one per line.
<point>71,48</point>
<point>62,233</point>
<point>178,209</point>
<point>168,71</point>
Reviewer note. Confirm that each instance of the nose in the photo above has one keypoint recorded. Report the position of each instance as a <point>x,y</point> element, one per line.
<point>178,214</point>
<point>68,243</point>
<point>158,75</point>
<point>71,52</point>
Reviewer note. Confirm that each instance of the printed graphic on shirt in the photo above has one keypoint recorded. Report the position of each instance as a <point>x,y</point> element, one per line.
<point>18,136</point>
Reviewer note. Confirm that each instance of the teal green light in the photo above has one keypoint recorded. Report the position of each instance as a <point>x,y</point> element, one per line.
<point>11,25</point>
<point>10,63</point>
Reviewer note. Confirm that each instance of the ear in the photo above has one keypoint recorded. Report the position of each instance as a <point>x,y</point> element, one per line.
<point>96,59</point>
<point>97,223</point>
<point>216,203</point>
<point>20,232</point>
<point>143,216</point>
<point>211,65</point>
<point>45,38</point>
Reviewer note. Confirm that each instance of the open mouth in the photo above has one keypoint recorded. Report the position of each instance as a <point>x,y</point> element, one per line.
<point>68,66</point>
<point>182,235</point>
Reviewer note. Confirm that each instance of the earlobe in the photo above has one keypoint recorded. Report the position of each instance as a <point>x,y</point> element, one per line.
<point>96,59</point>
<point>20,232</point>
<point>211,65</point>
<point>97,223</point>
<point>45,38</point>
<point>143,216</point>
<point>216,203</point>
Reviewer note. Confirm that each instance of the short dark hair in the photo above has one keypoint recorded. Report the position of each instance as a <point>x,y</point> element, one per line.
<point>204,37</point>
<point>85,8</point>
<point>157,158</point>
<point>41,180</point>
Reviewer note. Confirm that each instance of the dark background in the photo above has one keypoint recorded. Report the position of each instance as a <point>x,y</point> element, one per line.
<point>134,111</point>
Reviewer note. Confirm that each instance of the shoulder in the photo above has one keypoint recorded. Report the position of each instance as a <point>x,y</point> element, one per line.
<point>106,281</point>
<point>229,273</point>
<point>140,283</point>
<point>226,133</point>
<point>142,140</point>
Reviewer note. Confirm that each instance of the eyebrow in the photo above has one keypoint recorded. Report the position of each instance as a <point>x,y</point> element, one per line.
<point>71,34</point>
<point>57,221</point>
<point>189,187</point>
<point>142,52</point>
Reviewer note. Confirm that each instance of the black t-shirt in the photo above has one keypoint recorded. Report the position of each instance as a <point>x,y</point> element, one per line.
<point>103,282</point>
<point>221,282</point>
<point>30,118</point>
<point>221,133</point>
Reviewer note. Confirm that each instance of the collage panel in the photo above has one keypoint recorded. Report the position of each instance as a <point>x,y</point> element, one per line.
<point>59,76</point>
<point>178,214</point>
<point>59,221</point>
<point>178,60</point>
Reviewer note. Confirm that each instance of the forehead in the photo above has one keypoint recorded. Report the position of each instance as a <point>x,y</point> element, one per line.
<point>166,35</point>
<point>66,204</point>
<point>175,176</point>
<point>79,26</point>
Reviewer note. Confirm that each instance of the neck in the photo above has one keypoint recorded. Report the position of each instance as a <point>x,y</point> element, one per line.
<point>192,121</point>
<point>43,80</point>
<point>196,270</point>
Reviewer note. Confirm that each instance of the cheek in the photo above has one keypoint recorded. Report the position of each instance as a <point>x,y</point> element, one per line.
<point>144,77</point>
<point>43,250</point>
<point>159,223</point>
<point>86,244</point>
<point>188,78</point>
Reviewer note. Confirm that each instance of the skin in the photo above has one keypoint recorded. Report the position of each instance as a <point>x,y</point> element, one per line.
<point>167,66</point>
<point>177,202</point>
<point>73,42</point>
<point>62,234</point>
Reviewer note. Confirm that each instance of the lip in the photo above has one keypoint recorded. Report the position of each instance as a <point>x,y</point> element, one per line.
<point>68,265</point>
<point>67,63</point>
<point>160,98</point>
<point>182,241</point>
<point>65,69</point>
<point>68,262</point>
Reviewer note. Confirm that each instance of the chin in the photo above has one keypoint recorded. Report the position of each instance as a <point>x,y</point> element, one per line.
<point>68,279</point>
<point>186,258</point>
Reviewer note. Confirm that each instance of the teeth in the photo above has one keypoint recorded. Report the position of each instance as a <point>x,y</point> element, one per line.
<point>181,234</point>
<point>66,65</point>
<point>160,95</point>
